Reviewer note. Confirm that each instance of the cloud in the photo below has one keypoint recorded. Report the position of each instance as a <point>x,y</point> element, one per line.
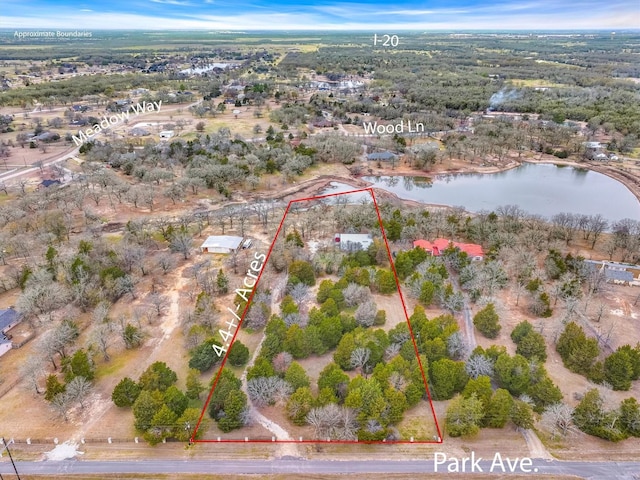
<point>175,2</point>
<point>330,15</point>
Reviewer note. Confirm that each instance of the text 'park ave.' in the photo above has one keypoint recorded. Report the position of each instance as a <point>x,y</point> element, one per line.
<point>136,109</point>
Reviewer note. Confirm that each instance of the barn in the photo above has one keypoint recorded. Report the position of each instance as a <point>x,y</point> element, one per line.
<point>221,244</point>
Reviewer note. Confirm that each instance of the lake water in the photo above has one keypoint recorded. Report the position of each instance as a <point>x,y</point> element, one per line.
<point>541,189</point>
<point>207,68</point>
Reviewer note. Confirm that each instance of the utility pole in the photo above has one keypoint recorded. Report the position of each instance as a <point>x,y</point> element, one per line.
<point>6,447</point>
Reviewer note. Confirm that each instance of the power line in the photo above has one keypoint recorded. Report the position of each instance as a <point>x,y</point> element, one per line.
<point>6,446</point>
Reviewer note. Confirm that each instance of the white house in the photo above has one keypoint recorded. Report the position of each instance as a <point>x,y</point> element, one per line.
<point>166,134</point>
<point>221,244</point>
<point>352,242</point>
<point>9,318</point>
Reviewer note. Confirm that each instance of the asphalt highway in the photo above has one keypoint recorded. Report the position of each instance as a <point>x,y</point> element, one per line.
<point>587,470</point>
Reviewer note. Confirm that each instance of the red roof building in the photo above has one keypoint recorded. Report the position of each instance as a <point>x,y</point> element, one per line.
<point>436,247</point>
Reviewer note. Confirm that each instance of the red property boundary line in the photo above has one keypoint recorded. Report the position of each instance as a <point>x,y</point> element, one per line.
<point>246,308</point>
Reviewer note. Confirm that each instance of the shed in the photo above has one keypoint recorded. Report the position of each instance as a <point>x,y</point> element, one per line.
<point>221,244</point>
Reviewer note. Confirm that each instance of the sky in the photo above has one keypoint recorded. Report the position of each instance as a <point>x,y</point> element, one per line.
<point>385,16</point>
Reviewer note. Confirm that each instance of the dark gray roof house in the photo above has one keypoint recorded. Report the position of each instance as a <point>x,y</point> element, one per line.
<point>614,273</point>
<point>9,318</point>
<point>382,156</point>
<point>48,182</point>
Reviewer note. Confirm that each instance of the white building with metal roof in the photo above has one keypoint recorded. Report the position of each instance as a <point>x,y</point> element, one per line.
<point>221,244</point>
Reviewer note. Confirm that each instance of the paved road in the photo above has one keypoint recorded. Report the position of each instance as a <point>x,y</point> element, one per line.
<point>72,151</point>
<point>587,470</point>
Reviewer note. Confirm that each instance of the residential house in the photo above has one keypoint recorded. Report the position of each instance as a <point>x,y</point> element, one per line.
<point>221,244</point>
<point>436,247</point>
<point>48,183</point>
<point>382,157</point>
<point>352,242</point>
<point>617,273</point>
<point>9,318</point>
<point>139,132</point>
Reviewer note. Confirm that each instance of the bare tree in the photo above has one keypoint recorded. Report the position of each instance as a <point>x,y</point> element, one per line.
<point>360,358</point>
<point>124,285</point>
<point>397,381</point>
<point>100,314</point>
<point>355,294</point>
<point>133,256</point>
<point>264,391</point>
<point>366,313</point>
<point>183,243</point>
<point>32,370</point>
<point>158,302</point>
<point>299,292</point>
<point>334,422</point>
<point>392,350</point>
<point>282,361</point>
<point>166,262</point>
<point>102,338</point>
<point>41,295</point>
<point>558,418</point>
<point>478,365</point>
<point>457,346</point>
<point>78,389</point>
<point>61,404</point>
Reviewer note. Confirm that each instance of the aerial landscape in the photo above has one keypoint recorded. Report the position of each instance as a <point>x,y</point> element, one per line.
<point>249,240</point>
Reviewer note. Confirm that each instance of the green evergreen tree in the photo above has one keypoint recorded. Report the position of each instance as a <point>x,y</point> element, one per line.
<point>520,331</point>
<point>54,387</point>
<point>203,357</point>
<point>487,321</point>
<point>303,271</point>
<point>296,342</point>
<point>512,373</point>
<point>531,346</point>
<point>158,376</point>
<point>618,370</point>
<point>299,405</point>
<point>163,425</point>
<point>630,416</point>
<point>186,424</point>
<point>238,354</point>
<point>447,378</point>
<point>80,365</point>
<point>498,411</point>
<point>145,407</point>
<point>296,376</point>
<point>481,388</point>
<point>522,414</point>
<point>333,378</point>
<point>463,416</point>
<point>194,386</point>
<point>342,355</point>
<point>176,400</point>
<point>125,392</point>
<point>544,393</point>
<point>261,368</point>
<point>427,293</point>
<point>222,282</point>
<point>234,406</point>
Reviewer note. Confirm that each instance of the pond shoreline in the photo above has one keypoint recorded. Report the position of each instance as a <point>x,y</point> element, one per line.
<point>537,190</point>
<point>317,184</point>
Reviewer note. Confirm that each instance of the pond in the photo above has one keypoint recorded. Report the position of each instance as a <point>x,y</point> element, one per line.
<point>541,189</point>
